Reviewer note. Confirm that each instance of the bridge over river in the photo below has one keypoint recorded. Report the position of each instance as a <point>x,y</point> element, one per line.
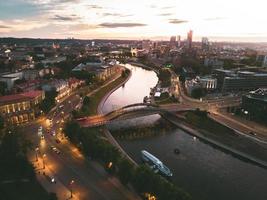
<point>129,112</point>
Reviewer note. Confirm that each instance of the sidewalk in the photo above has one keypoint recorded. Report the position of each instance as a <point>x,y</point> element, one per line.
<point>44,177</point>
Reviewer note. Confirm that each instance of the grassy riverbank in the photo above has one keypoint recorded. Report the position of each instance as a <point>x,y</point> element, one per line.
<point>218,132</point>
<point>90,107</point>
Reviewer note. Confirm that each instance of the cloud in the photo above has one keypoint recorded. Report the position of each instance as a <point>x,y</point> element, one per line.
<point>177,21</point>
<point>214,18</point>
<point>120,25</point>
<point>167,7</point>
<point>65,18</point>
<point>4,27</point>
<point>78,27</point>
<point>95,7</point>
<point>115,15</point>
<point>165,14</point>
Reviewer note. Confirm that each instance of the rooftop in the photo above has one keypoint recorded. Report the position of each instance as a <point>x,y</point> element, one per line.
<point>20,97</point>
<point>260,94</point>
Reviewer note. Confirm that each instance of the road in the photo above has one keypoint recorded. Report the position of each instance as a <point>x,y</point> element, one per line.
<point>214,107</point>
<point>90,179</point>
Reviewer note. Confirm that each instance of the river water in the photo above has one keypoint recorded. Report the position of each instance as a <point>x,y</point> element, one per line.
<point>201,169</point>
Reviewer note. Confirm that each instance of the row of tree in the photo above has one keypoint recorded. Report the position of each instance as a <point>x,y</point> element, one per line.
<point>49,102</point>
<point>14,167</point>
<point>141,177</point>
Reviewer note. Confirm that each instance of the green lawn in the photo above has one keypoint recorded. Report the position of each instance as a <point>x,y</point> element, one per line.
<point>96,98</point>
<point>225,135</point>
<point>204,122</point>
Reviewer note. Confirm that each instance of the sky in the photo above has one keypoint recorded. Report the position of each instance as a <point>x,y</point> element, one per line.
<point>219,20</point>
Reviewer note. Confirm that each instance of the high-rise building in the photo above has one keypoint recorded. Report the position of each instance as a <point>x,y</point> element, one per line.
<point>205,43</point>
<point>178,41</point>
<point>155,45</point>
<point>146,45</point>
<point>173,42</point>
<point>189,39</point>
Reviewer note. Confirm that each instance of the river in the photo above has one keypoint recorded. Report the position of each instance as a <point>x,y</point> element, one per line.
<point>201,169</point>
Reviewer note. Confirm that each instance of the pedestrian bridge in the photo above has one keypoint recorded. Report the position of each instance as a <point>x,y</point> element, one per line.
<point>127,112</point>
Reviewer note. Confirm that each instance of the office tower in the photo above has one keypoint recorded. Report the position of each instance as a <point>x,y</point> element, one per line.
<point>178,41</point>
<point>189,39</point>
<point>173,42</point>
<point>205,43</point>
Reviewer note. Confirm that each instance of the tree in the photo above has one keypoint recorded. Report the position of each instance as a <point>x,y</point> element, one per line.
<point>3,88</point>
<point>72,129</point>
<point>49,102</point>
<point>39,65</point>
<point>52,196</point>
<point>2,122</point>
<point>86,101</point>
<point>125,171</point>
<point>13,160</point>
<point>198,93</point>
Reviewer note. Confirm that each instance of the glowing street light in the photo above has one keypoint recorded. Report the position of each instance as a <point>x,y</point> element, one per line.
<point>110,165</point>
<point>44,156</point>
<point>36,154</point>
<point>71,189</point>
<point>150,196</point>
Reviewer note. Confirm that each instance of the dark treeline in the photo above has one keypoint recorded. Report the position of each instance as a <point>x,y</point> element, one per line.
<point>141,178</point>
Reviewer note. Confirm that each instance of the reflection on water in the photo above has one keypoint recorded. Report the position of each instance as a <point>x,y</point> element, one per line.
<point>139,128</point>
<point>133,91</point>
<point>207,173</point>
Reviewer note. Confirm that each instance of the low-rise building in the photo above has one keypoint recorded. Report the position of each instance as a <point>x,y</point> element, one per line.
<point>191,85</point>
<point>75,83</point>
<point>244,82</point>
<point>254,104</point>
<point>101,70</point>
<point>30,74</point>
<point>208,83</point>
<point>27,86</point>
<point>20,108</point>
<point>60,86</point>
<point>10,78</point>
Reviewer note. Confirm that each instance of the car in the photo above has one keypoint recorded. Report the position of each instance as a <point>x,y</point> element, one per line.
<point>252,133</point>
<point>54,133</point>
<point>57,151</point>
<point>53,180</point>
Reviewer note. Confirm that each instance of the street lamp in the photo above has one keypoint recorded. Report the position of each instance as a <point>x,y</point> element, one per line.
<point>36,154</point>
<point>44,161</point>
<point>110,165</point>
<point>71,189</point>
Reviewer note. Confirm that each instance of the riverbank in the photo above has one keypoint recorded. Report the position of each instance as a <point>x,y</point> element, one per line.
<point>144,66</point>
<point>192,131</point>
<point>95,97</point>
<point>142,174</point>
<point>108,135</point>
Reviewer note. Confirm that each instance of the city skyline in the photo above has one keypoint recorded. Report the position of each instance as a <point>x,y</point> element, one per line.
<point>220,21</point>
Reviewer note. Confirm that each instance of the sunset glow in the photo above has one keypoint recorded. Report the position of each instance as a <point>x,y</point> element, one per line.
<point>86,19</point>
